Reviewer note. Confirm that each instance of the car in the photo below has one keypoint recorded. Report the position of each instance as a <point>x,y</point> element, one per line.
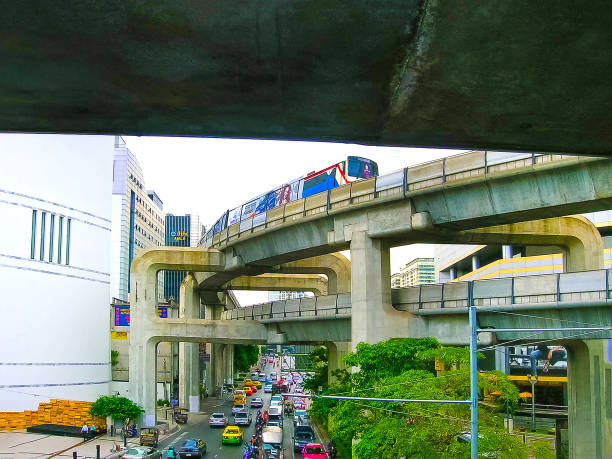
<point>257,403</point>
<point>192,448</point>
<point>313,451</point>
<point>242,418</point>
<point>271,361</point>
<point>301,416</point>
<point>298,390</point>
<point>247,381</point>
<point>253,388</point>
<point>247,390</point>
<point>277,397</point>
<point>262,377</point>
<point>142,453</point>
<point>238,407</point>
<point>301,438</point>
<point>273,376</point>
<point>268,388</point>
<point>268,380</point>
<point>217,420</point>
<point>232,434</point>
<point>254,375</point>
<point>257,384</point>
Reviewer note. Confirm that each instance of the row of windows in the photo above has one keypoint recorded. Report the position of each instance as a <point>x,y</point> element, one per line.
<point>58,254</point>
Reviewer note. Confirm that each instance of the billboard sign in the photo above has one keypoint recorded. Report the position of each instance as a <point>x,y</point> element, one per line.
<point>122,315</point>
<point>361,167</point>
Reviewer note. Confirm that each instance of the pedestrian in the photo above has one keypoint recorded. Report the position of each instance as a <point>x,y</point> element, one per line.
<point>92,431</point>
<point>253,440</point>
<point>265,416</point>
<point>331,449</point>
<point>171,453</point>
<point>556,354</point>
<point>541,352</point>
<point>85,432</point>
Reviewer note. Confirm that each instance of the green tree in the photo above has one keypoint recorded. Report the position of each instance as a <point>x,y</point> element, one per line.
<point>403,369</point>
<point>114,358</point>
<point>245,356</point>
<point>319,358</point>
<point>118,408</point>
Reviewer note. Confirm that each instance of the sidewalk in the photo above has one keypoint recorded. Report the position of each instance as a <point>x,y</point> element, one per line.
<point>21,444</point>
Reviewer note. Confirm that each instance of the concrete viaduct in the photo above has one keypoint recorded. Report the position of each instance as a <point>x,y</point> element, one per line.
<point>369,224</point>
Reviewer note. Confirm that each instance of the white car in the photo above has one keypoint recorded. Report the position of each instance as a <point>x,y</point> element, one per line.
<point>142,452</point>
<point>237,408</point>
<point>217,420</point>
<point>268,388</point>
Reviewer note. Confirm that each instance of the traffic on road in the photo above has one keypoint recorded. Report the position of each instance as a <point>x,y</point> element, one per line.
<point>254,422</point>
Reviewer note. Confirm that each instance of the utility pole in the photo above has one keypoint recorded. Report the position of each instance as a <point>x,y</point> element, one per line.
<point>473,383</point>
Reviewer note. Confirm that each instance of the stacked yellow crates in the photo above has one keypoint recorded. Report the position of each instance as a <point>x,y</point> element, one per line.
<point>61,412</point>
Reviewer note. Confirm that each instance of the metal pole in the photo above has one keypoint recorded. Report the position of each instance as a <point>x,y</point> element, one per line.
<point>473,384</point>
<point>533,379</point>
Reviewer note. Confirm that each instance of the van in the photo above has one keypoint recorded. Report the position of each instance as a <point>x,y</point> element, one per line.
<point>275,415</point>
<point>302,436</point>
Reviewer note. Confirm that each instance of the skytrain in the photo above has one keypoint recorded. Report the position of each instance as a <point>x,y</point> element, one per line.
<point>253,212</point>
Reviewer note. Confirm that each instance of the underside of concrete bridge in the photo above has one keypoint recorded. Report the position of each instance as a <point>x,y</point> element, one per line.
<point>522,75</point>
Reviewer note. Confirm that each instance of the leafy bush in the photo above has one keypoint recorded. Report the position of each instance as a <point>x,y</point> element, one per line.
<point>118,408</point>
<point>162,403</point>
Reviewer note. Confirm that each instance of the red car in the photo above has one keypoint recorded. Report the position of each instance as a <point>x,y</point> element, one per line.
<point>313,451</point>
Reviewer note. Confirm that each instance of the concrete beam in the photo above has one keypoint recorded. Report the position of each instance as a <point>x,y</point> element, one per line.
<point>335,266</point>
<point>280,282</point>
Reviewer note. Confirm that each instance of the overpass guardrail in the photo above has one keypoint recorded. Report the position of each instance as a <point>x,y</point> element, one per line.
<point>395,185</point>
<point>578,287</point>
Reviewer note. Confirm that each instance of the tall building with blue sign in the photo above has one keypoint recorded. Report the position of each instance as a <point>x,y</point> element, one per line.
<point>181,231</point>
<point>137,220</point>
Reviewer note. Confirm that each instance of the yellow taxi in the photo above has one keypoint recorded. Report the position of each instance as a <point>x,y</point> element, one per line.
<point>248,382</point>
<point>257,384</point>
<point>232,434</point>
<point>247,390</point>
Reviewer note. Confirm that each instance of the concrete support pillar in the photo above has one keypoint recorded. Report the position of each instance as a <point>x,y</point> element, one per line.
<point>589,375</point>
<point>189,353</point>
<point>475,262</point>
<point>373,317</point>
<point>336,351</point>
<point>506,251</point>
<point>228,363</point>
<point>217,364</point>
<point>453,273</point>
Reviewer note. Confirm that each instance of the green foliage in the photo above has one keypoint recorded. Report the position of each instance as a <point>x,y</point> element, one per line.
<point>403,368</point>
<point>114,358</point>
<point>118,408</point>
<point>245,356</point>
<point>319,358</point>
<point>391,358</point>
<point>162,403</point>
<point>541,450</point>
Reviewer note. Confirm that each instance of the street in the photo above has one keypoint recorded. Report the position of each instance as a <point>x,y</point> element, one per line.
<point>198,428</point>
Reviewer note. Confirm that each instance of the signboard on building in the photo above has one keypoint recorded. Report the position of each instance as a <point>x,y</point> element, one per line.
<point>179,235</point>
<point>122,314</point>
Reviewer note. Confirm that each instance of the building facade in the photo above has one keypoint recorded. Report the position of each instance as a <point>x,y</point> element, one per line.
<point>280,296</point>
<point>419,271</point>
<point>137,220</point>
<point>55,229</point>
<point>181,231</point>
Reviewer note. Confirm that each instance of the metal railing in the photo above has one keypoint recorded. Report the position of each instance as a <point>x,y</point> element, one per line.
<point>578,287</point>
<point>396,185</point>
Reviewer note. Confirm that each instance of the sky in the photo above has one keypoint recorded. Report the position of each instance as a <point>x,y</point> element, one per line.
<point>206,177</point>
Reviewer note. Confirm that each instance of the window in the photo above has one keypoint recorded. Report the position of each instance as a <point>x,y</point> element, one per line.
<point>59,239</point>
<point>68,221</point>
<point>51,228</point>
<point>43,218</point>
<point>33,241</point>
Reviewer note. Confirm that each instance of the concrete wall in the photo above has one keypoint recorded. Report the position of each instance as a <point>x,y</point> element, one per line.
<point>55,327</point>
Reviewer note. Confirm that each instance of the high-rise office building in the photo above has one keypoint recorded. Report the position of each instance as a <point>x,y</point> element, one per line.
<point>181,231</point>
<point>419,271</point>
<point>55,235</point>
<point>137,220</point>
<point>279,296</point>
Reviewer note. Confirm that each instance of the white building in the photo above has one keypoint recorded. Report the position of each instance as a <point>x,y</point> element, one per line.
<point>55,232</point>
<point>417,272</point>
<point>137,220</point>
<point>284,295</point>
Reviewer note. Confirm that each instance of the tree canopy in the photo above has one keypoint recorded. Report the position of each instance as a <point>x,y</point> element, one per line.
<point>245,355</point>
<point>404,369</point>
<point>118,408</point>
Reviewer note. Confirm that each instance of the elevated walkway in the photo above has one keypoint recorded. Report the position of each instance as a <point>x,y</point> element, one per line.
<point>523,302</point>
